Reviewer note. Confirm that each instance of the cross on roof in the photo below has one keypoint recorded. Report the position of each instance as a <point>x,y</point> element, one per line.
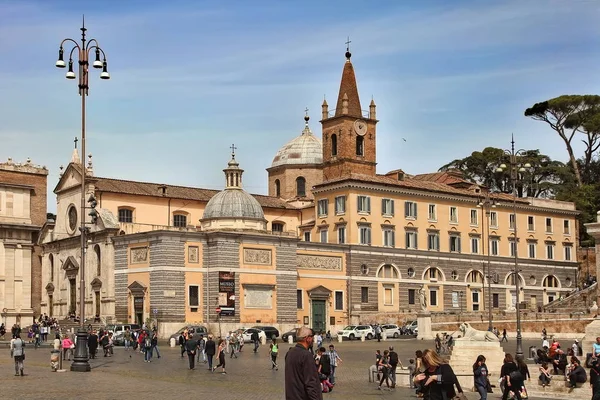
<point>233,149</point>
<point>306,111</point>
<point>348,41</point>
<point>76,140</point>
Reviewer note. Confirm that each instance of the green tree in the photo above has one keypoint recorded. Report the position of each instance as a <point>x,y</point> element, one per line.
<point>568,115</point>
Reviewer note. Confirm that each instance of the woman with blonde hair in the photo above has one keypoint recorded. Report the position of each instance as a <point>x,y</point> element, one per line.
<point>438,379</point>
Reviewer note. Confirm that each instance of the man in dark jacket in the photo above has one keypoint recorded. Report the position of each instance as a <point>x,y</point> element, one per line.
<point>393,365</point>
<point>255,339</point>
<point>191,346</point>
<point>93,344</point>
<point>210,349</point>
<point>301,377</point>
<point>577,375</point>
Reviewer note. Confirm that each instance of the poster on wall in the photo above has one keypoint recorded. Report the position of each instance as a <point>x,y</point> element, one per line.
<point>455,300</point>
<point>227,293</point>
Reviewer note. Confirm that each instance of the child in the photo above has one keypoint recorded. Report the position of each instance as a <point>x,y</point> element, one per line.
<point>326,386</point>
<point>411,372</point>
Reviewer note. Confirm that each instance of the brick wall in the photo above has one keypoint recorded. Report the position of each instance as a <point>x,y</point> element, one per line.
<point>286,284</point>
<point>287,177</point>
<point>166,257</point>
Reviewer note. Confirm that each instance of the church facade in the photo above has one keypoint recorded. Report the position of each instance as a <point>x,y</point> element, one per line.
<point>333,243</point>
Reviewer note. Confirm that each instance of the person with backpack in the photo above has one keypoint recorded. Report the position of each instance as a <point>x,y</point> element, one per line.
<point>147,347</point>
<point>393,361</point>
<point>273,353</point>
<point>17,351</point>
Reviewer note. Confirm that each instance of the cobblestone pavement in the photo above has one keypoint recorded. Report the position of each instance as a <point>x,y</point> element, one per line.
<point>249,377</point>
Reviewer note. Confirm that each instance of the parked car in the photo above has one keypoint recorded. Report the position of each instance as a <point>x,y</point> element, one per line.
<point>247,334</point>
<point>411,327</point>
<point>120,328</point>
<point>391,330</point>
<point>356,331</point>
<point>291,333</point>
<point>270,331</point>
<point>193,329</point>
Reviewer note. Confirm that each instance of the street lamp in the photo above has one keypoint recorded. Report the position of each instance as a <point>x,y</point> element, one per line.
<point>516,170</point>
<point>486,202</point>
<point>81,359</point>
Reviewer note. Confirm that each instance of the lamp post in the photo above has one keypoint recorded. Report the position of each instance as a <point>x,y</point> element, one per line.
<point>486,202</point>
<point>516,168</point>
<point>82,50</point>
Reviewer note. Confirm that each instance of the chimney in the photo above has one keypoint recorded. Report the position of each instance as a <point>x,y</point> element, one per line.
<point>162,190</point>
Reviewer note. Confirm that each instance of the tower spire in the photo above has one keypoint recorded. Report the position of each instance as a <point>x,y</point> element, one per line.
<point>349,89</point>
<point>233,172</point>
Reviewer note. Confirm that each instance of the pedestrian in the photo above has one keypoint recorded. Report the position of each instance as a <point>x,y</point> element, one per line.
<point>301,377</point>
<point>595,378</point>
<point>92,344</point>
<point>318,339</point>
<point>504,337</point>
<point>480,376</point>
<point>575,347</point>
<point>255,339</point>
<point>147,347</point>
<point>512,378</point>
<point>232,345</point>
<point>201,349</point>
<point>191,346</point>
<point>17,351</point>
<point>210,348</point>
<point>438,378</point>
<point>67,346</point>
<point>181,341</point>
<point>221,356</point>
<point>273,353</point>
<point>378,333</point>
<point>328,336</point>
<point>384,364</point>
<point>393,361</point>
<point>155,343</point>
<point>126,338</point>
<point>335,359</point>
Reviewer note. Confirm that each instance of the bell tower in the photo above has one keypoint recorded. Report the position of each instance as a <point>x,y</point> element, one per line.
<point>349,133</point>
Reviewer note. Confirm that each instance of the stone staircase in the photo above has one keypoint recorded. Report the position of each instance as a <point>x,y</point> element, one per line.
<point>579,301</point>
<point>558,389</point>
<point>67,325</point>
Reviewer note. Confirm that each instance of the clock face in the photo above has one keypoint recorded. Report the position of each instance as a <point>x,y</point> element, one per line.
<point>72,214</point>
<point>360,127</point>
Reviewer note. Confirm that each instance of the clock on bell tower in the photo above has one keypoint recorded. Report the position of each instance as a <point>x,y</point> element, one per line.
<point>349,133</point>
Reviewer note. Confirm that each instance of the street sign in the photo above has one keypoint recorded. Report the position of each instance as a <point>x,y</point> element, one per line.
<point>218,310</point>
<point>155,311</point>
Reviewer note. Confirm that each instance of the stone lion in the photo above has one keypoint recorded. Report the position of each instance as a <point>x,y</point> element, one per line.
<point>470,333</point>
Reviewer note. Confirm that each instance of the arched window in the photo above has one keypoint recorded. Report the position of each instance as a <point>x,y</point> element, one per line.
<point>433,274</point>
<point>51,266</point>
<point>300,186</point>
<point>360,146</point>
<point>510,280</point>
<point>277,188</point>
<point>550,282</point>
<point>98,260</point>
<point>387,271</point>
<point>334,145</point>
<point>475,277</point>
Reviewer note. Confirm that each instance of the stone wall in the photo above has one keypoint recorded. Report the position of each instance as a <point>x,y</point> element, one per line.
<point>121,295</point>
<point>167,278</point>
<point>221,252</point>
<point>286,284</point>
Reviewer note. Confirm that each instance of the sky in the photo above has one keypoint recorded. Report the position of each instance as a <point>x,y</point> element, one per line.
<point>189,78</point>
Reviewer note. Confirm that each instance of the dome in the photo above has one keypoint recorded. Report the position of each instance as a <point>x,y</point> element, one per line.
<point>233,203</point>
<point>302,150</point>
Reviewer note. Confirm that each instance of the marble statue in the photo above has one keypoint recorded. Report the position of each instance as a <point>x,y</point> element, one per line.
<point>422,299</point>
<point>470,333</point>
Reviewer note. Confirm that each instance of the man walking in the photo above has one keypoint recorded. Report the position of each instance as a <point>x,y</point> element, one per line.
<point>335,359</point>
<point>504,336</point>
<point>191,346</point>
<point>17,351</point>
<point>393,365</point>
<point>301,377</point>
<point>126,338</point>
<point>255,339</point>
<point>210,348</point>
<point>93,344</point>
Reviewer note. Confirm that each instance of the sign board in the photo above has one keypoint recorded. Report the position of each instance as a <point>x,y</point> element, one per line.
<point>218,310</point>
<point>155,311</point>
<point>455,300</point>
<point>227,293</point>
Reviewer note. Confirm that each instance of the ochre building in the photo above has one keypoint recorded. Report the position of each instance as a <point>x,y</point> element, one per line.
<point>333,243</point>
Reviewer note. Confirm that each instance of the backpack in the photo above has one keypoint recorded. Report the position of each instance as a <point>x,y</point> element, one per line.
<point>393,358</point>
<point>148,341</point>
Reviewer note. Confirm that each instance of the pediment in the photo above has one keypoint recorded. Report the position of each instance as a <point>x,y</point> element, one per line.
<point>71,177</point>
<point>70,264</point>
<point>137,288</point>
<point>320,292</point>
<point>50,287</point>
<point>96,283</point>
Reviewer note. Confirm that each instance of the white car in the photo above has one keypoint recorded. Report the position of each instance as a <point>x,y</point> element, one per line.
<point>247,334</point>
<point>391,330</point>
<point>357,331</point>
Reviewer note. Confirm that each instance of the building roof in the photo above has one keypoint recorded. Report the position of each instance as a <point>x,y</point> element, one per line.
<point>349,89</point>
<point>302,150</point>
<point>416,184</point>
<point>233,203</point>
<point>178,192</point>
<point>445,177</point>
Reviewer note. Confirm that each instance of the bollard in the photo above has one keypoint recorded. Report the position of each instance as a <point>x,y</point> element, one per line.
<point>290,339</point>
<point>340,338</point>
<point>384,336</point>
<point>362,337</point>
<point>172,342</point>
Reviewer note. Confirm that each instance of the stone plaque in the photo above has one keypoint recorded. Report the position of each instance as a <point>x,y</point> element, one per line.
<point>139,255</point>
<point>257,256</point>
<point>169,293</point>
<point>319,262</point>
<point>193,254</point>
<point>258,297</point>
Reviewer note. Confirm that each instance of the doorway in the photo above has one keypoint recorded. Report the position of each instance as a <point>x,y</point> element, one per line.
<point>318,315</point>
<point>73,295</point>
<point>97,304</point>
<point>138,307</point>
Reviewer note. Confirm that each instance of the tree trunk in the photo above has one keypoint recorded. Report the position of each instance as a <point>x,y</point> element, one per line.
<point>573,161</point>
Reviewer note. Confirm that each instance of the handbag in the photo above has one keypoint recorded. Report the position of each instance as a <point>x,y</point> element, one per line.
<point>488,386</point>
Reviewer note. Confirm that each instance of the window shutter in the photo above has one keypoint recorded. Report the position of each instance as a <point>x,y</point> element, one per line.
<point>416,240</point>
<point>458,242</point>
<point>406,208</point>
<point>368,205</point>
<point>368,235</point>
<point>415,210</point>
<point>392,206</point>
<point>383,210</point>
<point>393,234</point>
